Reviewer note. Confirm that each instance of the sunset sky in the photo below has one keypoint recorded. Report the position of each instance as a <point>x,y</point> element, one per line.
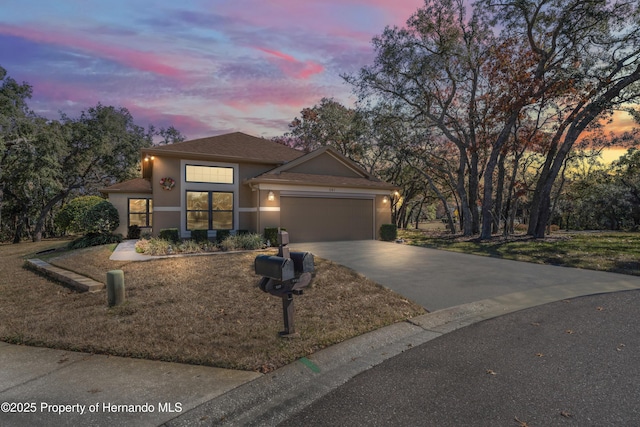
<point>204,66</point>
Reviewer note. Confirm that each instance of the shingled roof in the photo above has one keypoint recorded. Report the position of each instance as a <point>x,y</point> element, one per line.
<point>236,146</point>
<point>314,179</point>
<point>281,174</point>
<point>136,185</point>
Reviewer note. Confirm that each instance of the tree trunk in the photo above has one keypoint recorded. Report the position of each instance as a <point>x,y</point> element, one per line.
<point>487,199</point>
<point>473,193</point>
<point>466,223</point>
<point>576,123</point>
<point>37,234</point>
<point>499,194</point>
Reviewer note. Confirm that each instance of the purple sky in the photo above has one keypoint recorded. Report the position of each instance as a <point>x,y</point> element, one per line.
<point>206,67</point>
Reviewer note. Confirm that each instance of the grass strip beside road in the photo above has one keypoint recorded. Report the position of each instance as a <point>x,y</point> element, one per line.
<point>615,252</point>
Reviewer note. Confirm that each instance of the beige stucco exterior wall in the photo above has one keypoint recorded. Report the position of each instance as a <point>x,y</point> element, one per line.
<point>165,219</point>
<point>383,213</point>
<point>269,210</point>
<point>121,202</point>
<point>166,167</point>
<point>166,203</point>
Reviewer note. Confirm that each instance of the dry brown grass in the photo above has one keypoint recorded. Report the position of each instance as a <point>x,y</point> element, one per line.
<point>200,310</point>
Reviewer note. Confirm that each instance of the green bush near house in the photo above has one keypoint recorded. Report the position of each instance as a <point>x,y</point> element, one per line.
<point>101,218</point>
<point>70,216</point>
<point>200,235</point>
<point>221,235</point>
<point>133,232</point>
<point>388,232</point>
<point>170,234</point>
<point>271,235</point>
<point>94,239</point>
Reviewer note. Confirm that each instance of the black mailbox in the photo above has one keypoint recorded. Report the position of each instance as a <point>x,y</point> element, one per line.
<point>302,262</point>
<point>284,276</point>
<point>275,267</point>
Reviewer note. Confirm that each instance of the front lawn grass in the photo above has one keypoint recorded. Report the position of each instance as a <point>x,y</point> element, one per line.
<point>203,310</point>
<point>615,252</point>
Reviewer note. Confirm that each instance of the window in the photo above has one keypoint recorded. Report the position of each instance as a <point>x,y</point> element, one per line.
<point>140,212</point>
<point>209,174</point>
<point>209,210</point>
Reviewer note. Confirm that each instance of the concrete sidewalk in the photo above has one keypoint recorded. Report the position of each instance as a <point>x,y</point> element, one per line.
<point>184,395</point>
<point>87,386</point>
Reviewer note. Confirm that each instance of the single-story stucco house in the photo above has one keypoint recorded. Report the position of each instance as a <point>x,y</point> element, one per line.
<point>240,182</point>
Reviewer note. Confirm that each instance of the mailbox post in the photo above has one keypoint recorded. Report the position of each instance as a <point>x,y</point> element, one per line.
<point>284,276</point>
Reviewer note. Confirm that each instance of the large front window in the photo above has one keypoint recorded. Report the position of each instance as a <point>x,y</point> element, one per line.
<point>209,210</point>
<point>209,174</point>
<point>140,212</point>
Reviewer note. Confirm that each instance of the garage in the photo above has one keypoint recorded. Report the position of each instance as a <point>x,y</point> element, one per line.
<point>330,218</point>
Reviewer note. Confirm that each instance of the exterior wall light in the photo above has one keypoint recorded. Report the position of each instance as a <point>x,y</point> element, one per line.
<point>271,197</point>
<point>385,200</point>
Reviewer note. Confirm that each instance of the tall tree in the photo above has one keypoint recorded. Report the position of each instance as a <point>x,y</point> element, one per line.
<point>99,148</point>
<point>587,61</point>
<point>431,70</point>
<point>16,124</point>
<point>329,123</point>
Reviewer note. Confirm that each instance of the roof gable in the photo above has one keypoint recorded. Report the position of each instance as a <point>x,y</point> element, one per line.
<point>323,161</point>
<point>324,166</point>
<point>236,146</point>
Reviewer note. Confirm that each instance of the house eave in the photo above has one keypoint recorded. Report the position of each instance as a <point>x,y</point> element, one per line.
<point>208,157</point>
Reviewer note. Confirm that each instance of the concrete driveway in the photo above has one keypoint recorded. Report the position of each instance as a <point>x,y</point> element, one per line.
<point>439,279</point>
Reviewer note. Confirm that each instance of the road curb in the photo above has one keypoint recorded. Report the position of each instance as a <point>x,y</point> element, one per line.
<point>275,397</point>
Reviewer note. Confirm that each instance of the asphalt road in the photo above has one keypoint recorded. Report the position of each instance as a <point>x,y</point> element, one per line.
<point>567,363</point>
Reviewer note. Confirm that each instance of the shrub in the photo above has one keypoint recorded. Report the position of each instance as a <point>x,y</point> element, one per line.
<point>70,216</point>
<point>200,235</point>
<point>133,232</point>
<point>102,218</point>
<point>154,246</point>
<point>170,234</point>
<point>157,246</point>
<point>221,235</point>
<point>388,232</point>
<point>271,235</point>
<point>250,241</point>
<point>94,239</point>
<point>142,245</point>
<point>189,247</point>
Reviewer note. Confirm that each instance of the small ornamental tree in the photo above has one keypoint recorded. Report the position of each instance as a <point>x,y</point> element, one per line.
<point>102,218</point>
<point>70,216</point>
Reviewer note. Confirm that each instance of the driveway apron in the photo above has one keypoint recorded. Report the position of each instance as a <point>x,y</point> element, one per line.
<point>439,279</point>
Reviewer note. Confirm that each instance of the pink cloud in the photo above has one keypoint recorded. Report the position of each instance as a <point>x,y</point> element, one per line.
<point>143,61</point>
<point>63,92</point>
<point>280,55</point>
<point>292,67</point>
